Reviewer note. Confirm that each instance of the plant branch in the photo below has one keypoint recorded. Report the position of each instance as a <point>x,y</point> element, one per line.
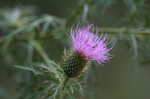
<point>125,30</point>
<point>134,31</point>
<point>38,47</point>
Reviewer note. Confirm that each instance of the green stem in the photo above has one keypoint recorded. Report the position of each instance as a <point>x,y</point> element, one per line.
<point>125,30</point>
<point>65,82</point>
<point>134,31</point>
<point>40,50</point>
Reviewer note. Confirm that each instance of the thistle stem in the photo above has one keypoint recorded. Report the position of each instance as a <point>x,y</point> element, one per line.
<point>65,82</point>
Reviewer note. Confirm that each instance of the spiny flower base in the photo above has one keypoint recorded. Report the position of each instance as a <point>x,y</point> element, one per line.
<point>74,65</point>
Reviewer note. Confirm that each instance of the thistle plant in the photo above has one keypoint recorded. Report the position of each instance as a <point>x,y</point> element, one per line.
<point>27,41</point>
<point>65,79</point>
<point>50,79</point>
<point>86,46</point>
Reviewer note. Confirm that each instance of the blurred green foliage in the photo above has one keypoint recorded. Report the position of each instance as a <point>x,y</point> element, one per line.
<point>32,48</point>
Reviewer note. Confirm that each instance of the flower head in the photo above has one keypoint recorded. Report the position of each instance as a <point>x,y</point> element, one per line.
<point>90,45</point>
<point>86,45</point>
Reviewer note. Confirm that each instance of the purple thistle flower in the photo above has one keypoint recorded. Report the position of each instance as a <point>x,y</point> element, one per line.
<point>86,46</point>
<point>90,45</point>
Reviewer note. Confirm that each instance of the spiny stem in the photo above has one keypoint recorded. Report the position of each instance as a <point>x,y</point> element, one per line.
<point>65,82</point>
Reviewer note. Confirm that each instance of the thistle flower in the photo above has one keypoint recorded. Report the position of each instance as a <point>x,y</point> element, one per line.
<point>86,46</point>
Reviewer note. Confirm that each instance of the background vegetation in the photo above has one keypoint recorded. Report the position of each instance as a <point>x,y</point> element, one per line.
<point>34,36</point>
